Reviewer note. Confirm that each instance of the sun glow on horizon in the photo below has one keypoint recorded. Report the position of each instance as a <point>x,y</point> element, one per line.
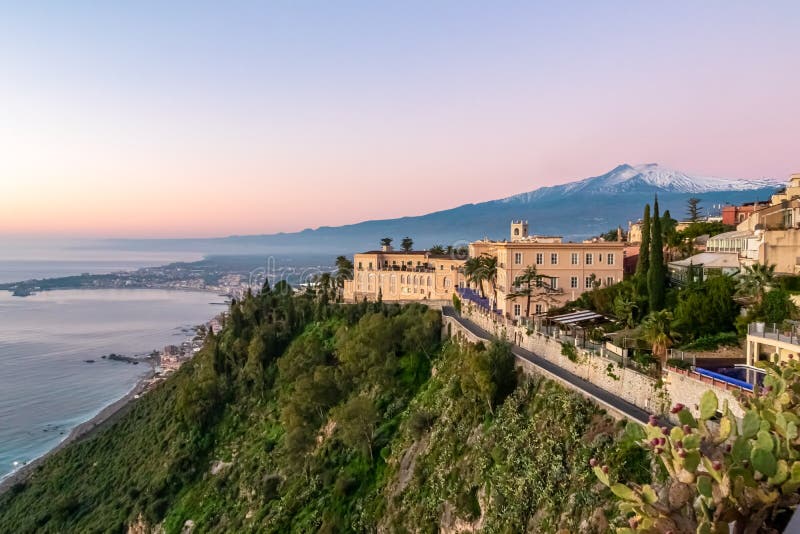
<point>124,121</point>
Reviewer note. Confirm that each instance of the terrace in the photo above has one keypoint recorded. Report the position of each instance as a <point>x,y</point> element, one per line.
<point>772,342</point>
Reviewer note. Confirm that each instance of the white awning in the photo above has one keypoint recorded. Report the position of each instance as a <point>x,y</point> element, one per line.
<point>576,317</point>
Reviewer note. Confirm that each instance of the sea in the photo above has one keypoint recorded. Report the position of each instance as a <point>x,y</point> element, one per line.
<point>46,385</point>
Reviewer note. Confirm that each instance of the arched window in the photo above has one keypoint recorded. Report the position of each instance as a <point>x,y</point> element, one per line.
<point>371,283</point>
<point>429,282</point>
<point>447,282</point>
<point>393,284</point>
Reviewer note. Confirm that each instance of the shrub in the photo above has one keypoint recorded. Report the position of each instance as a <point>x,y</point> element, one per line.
<point>713,341</point>
<point>680,364</point>
<point>570,351</point>
<point>420,422</point>
<point>467,504</point>
<point>457,303</point>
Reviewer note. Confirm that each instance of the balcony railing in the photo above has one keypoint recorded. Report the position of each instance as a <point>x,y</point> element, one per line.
<point>774,332</point>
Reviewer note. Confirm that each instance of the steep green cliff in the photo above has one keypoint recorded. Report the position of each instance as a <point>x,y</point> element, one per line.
<point>302,416</point>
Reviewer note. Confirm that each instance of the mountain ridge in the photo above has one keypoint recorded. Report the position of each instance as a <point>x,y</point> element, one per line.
<point>575,210</point>
<point>625,178</point>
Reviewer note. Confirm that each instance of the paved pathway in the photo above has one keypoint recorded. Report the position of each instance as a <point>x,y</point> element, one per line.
<point>604,397</point>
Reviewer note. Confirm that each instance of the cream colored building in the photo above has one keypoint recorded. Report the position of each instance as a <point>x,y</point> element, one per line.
<point>769,342</point>
<point>770,235</point>
<point>791,191</point>
<point>403,276</point>
<point>635,231</point>
<point>573,267</point>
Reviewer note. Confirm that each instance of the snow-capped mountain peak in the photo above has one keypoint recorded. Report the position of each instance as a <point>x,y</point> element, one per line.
<point>649,177</point>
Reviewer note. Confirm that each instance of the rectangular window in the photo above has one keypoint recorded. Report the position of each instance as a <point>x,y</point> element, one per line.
<point>599,258</point>
<point>574,258</point>
<point>573,282</point>
<point>370,266</point>
<point>589,258</point>
<point>588,282</point>
<point>553,258</point>
<point>611,259</point>
<point>539,258</point>
<point>360,268</point>
<point>554,283</point>
<point>516,310</point>
<point>538,309</point>
<point>518,258</point>
<point>610,281</point>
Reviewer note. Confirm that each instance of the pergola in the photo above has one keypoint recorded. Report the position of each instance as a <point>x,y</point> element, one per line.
<point>576,322</point>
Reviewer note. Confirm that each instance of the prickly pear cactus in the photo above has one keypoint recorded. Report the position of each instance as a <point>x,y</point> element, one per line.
<point>725,475</point>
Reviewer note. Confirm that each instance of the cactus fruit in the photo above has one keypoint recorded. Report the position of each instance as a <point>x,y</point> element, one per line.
<point>721,471</point>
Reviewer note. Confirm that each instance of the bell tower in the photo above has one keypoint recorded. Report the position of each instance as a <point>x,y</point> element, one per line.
<point>519,230</point>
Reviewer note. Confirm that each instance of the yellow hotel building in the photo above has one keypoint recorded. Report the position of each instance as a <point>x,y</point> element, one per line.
<point>573,268</point>
<point>418,275</point>
<point>403,276</point>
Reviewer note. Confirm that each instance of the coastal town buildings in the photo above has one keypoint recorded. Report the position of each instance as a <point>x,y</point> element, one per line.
<point>768,234</point>
<point>570,269</point>
<point>733,215</point>
<point>171,358</point>
<point>397,275</point>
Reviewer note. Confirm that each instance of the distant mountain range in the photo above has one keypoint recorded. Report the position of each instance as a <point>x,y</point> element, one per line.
<point>575,210</point>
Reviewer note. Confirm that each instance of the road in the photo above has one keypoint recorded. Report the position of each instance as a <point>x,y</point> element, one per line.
<point>587,388</point>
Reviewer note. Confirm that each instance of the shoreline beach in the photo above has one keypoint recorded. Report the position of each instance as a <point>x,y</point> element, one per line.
<point>103,419</point>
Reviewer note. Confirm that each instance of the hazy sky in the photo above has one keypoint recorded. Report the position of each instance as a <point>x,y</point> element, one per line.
<point>193,119</point>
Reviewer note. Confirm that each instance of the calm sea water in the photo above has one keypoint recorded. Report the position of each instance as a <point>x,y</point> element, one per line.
<point>46,388</point>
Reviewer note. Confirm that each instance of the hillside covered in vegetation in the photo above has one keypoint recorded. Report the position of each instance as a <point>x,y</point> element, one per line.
<point>304,416</point>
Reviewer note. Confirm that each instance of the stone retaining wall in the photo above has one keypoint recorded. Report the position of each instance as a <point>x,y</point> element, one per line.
<point>648,393</point>
<point>634,387</point>
<point>687,387</point>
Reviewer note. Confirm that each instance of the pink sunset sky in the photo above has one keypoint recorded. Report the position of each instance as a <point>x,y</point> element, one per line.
<point>243,118</point>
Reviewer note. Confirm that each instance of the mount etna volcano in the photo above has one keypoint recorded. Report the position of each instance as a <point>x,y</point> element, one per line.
<point>575,210</point>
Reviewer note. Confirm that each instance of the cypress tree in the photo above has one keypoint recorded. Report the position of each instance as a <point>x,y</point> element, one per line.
<point>643,263</point>
<point>656,271</point>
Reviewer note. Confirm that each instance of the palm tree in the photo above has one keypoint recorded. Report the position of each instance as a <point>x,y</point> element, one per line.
<point>625,310</point>
<point>489,269</point>
<point>474,274</point>
<point>530,284</point>
<point>756,280</point>
<point>438,250</point>
<point>656,331</point>
<point>344,270</point>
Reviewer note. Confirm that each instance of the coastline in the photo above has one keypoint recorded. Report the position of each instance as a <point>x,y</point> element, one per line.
<point>102,420</point>
<point>115,406</point>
